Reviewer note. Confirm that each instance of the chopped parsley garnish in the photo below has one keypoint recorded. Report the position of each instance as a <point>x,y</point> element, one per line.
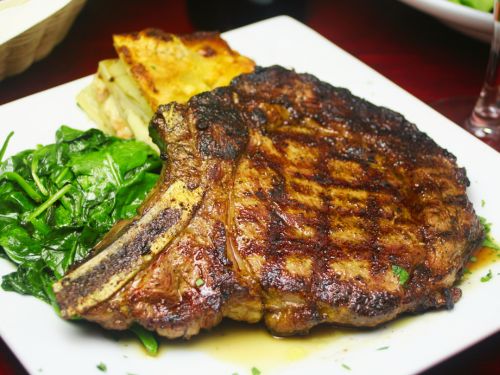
<point>482,202</point>
<point>346,367</point>
<point>401,273</point>
<point>199,282</point>
<point>489,241</point>
<point>383,348</point>
<point>473,259</point>
<point>101,366</point>
<point>487,277</point>
<point>255,371</point>
<point>466,271</point>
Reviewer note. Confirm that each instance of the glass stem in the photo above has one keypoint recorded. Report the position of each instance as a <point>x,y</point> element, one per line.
<point>485,117</point>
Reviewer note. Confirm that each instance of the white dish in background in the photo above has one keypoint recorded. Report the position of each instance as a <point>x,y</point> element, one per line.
<point>469,21</point>
<point>30,29</point>
<point>43,341</point>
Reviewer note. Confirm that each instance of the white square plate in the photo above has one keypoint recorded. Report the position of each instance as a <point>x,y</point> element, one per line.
<point>45,343</point>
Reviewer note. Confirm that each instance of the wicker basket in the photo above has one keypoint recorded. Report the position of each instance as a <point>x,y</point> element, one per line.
<point>17,54</point>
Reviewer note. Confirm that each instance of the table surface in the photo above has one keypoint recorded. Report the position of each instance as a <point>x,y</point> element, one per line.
<point>415,51</point>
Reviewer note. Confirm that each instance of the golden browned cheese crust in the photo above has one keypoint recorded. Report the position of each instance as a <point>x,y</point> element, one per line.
<point>169,68</point>
<point>309,197</point>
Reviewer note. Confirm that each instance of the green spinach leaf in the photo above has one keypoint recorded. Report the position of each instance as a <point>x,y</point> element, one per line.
<point>57,201</point>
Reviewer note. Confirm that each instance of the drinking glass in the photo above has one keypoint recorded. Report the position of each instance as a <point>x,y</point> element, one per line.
<point>484,121</point>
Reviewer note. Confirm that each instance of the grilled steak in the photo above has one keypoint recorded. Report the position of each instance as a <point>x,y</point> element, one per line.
<point>288,200</point>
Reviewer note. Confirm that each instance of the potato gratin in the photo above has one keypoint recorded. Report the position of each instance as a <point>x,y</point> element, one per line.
<point>156,68</point>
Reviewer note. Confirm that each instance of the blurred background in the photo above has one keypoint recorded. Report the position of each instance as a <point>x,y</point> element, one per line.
<point>414,50</point>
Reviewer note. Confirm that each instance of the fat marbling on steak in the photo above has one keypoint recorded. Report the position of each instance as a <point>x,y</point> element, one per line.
<point>284,199</point>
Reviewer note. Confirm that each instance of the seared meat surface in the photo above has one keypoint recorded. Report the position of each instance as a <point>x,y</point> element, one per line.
<point>288,200</point>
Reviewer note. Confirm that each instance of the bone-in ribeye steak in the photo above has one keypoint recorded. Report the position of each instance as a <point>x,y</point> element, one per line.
<point>288,200</point>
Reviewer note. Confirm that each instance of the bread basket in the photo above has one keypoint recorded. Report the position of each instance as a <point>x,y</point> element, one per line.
<point>30,29</point>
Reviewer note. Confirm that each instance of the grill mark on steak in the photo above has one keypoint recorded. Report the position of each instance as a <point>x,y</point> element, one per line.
<point>311,196</point>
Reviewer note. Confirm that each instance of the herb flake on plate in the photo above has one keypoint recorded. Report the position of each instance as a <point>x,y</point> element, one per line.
<point>489,241</point>
<point>487,277</point>
<point>346,367</point>
<point>102,367</point>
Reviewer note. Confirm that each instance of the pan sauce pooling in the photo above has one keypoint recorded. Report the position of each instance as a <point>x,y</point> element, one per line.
<point>297,203</point>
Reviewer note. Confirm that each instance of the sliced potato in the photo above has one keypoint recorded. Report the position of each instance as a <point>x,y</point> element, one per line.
<point>156,68</point>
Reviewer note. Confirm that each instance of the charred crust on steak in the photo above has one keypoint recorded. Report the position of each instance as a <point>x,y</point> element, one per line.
<point>223,129</point>
<point>311,196</point>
